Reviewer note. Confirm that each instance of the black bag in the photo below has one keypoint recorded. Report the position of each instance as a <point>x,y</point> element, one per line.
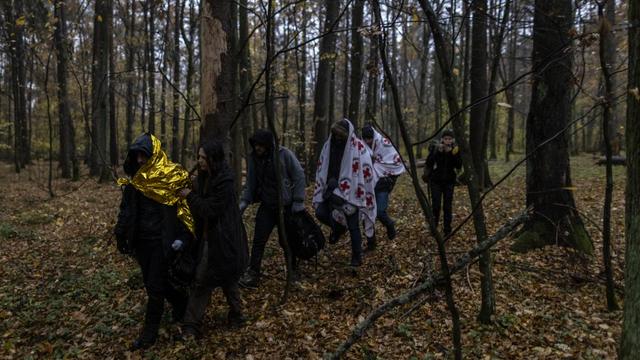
<point>386,184</point>
<point>304,235</point>
<point>182,271</point>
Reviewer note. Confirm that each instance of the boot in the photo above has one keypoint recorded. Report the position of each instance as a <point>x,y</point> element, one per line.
<point>391,230</point>
<point>250,280</point>
<point>371,244</point>
<point>356,260</point>
<point>152,318</point>
<point>235,320</point>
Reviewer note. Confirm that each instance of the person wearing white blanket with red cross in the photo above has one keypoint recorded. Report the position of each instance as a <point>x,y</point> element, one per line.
<point>387,165</point>
<point>344,193</point>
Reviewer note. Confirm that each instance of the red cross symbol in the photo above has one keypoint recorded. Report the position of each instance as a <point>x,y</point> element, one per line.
<point>369,201</point>
<point>360,145</point>
<point>396,159</point>
<point>344,186</point>
<point>366,172</point>
<point>359,192</point>
<point>355,166</point>
<point>386,141</point>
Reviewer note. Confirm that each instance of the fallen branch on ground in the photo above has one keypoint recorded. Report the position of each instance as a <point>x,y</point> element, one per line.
<point>427,285</point>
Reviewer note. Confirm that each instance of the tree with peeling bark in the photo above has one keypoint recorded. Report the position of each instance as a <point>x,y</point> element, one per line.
<point>218,67</point>
<point>549,187</point>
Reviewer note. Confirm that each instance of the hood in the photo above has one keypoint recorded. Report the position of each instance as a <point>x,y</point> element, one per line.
<point>262,137</point>
<point>143,144</point>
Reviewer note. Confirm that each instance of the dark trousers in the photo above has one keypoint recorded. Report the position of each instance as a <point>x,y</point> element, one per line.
<point>323,213</point>
<point>200,295</point>
<point>155,272</point>
<point>382,203</point>
<point>266,220</point>
<point>442,195</point>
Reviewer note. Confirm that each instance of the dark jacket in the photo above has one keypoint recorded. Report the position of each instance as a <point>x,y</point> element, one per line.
<point>440,166</point>
<point>144,222</point>
<point>214,206</point>
<point>260,184</point>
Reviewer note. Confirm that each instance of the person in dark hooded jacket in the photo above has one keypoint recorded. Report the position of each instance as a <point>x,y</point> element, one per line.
<point>261,187</point>
<point>222,240</point>
<point>440,172</point>
<point>150,231</point>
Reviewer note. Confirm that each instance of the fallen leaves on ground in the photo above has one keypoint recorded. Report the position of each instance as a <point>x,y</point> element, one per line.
<point>65,292</point>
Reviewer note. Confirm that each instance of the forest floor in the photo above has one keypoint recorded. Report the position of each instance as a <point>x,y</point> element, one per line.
<point>65,292</point>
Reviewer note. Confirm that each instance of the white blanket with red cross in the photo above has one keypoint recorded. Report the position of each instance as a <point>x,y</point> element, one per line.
<point>386,160</point>
<point>356,184</point>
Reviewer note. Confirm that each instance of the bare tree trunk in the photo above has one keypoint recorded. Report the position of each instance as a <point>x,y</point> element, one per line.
<point>151,64</point>
<point>189,42</point>
<point>357,56</point>
<point>15,30</point>
<point>323,81</point>
<point>491,115</point>
<point>478,74</point>
<point>163,68</point>
<point>423,93</point>
<point>345,77</point>
<point>100,91</point>
<point>607,117</point>
<point>630,339</point>
<point>615,129</point>
<point>426,209</point>
<point>218,68</point>
<point>373,71</point>
<point>511,92</point>
<point>473,183</point>
<point>175,123</point>
<point>130,33</point>
<point>548,170</point>
<point>301,66</point>
<point>68,160</point>
<point>269,102</point>
<point>113,123</point>
<point>236,130</point>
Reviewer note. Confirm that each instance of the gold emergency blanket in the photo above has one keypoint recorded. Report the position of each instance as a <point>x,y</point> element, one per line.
<point>160,179</point>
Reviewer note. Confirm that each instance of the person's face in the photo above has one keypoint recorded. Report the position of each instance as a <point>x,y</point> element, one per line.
<point>260,150</point>
<point>202,160</point>
<point>141,158</point>
<point>369,141</point>
<point>447,140</point>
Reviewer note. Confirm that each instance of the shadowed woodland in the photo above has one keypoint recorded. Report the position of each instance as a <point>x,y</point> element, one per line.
<point>540,260</point>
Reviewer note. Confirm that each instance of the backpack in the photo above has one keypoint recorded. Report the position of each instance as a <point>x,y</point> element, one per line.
<point>304,235</point>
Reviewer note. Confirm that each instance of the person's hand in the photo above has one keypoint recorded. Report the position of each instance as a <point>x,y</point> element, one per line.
<point>184,192</point>
<point>243,206</point>
<point>176,245</point>
<point>297,207</point>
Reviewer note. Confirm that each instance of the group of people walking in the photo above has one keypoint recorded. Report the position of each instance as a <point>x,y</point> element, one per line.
<point>167,218</point>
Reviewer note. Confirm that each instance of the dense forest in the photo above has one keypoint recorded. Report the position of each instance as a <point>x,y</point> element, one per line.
<point>542,99</point>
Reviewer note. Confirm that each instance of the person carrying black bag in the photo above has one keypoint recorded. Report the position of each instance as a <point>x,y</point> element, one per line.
<point>151,232</point>
<point>439,171</point>
<point>261,187</point>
